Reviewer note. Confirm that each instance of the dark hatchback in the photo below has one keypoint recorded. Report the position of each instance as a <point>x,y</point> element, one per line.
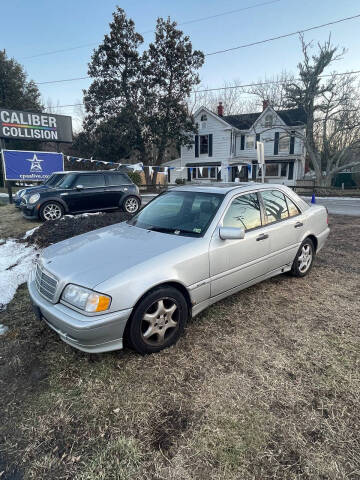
<point>80,192</point>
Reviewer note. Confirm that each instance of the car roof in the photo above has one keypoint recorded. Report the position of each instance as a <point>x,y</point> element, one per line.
<point>225,188</point>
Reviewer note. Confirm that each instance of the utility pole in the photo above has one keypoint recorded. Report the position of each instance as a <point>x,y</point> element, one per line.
<point>8,184</point>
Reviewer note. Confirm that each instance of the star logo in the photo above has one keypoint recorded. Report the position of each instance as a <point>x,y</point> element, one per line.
<point>35,164</point>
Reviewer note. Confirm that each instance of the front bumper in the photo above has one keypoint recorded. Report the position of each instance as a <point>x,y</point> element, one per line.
<point>102,333</point>
<point>30,211</point>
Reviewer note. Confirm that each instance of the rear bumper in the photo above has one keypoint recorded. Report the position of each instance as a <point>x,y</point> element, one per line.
<point>102,333</point>
<point>322,239</point>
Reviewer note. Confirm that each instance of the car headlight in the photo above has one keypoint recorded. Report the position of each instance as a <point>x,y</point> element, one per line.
<point>20,193</point>
<point>34,198</point>
<point>85,299</point>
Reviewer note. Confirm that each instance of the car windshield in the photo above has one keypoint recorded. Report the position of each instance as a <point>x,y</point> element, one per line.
<point>54,179</point>
<point>66,181</point>
<point>179,213</point>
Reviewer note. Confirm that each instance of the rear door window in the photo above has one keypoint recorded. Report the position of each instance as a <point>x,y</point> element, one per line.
<point>275,205</point>
<point>293,209</point>
<point>87,181</point>
<point>117,179</point>
<point>244,212</point>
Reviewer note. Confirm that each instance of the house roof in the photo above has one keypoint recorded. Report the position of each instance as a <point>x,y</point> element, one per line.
<point>292,117</point>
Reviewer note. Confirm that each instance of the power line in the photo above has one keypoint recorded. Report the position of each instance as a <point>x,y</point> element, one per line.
<point>258,84</point>
<point>233,48</point>
<point>229,12</point>
<point>282,36</point>
<point>60,81</point>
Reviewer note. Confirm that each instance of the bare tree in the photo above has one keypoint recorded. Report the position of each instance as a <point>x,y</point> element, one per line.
<point>272,89</point>
<point>232,96</point>
<point>332,136</point>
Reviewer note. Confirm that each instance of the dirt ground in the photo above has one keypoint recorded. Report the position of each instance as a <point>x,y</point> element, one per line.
<point>13,224</point>
<point>263,385</point>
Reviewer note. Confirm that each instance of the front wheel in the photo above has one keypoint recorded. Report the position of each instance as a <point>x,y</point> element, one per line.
<point>51,211</point>
<point>158,320</point>
<point>131,205</point>
<point>304,259</point>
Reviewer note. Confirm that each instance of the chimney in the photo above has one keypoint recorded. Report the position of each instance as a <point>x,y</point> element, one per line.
<point>266,103</point>
<point>220,109</point>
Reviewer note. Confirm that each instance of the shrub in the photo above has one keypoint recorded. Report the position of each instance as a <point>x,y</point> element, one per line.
<point>180,181</point>
<point>135,177</point>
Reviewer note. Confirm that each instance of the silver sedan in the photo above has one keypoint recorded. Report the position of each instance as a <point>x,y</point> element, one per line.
<point>187,249</point>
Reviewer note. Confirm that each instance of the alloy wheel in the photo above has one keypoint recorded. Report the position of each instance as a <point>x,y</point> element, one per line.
<point>160,322</point>
<point>305,258</point>
<point>131,205</point>
<point>52,211</point>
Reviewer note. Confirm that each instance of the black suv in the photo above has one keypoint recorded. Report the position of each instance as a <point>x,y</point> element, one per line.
<point>80,192</point>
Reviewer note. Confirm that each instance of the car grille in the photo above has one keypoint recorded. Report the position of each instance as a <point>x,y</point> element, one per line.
<point>45,284</point>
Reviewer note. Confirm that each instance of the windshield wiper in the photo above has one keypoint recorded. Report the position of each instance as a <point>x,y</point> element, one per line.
<point>174,231</point>
<point>161,229</point>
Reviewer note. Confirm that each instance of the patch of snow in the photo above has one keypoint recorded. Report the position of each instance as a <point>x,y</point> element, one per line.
<point>3,329</point>
<point>16,261</point>
<point>30,232</point>
<point>80,215</point>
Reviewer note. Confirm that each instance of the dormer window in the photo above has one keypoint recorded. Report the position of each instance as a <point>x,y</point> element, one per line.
<point>203,117</point>
<point>268,121</point>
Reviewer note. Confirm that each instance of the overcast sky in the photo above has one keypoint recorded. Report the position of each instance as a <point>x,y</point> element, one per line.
<point>32,28</point>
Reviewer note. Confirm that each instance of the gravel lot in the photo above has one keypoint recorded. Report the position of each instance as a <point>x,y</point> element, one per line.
<point>264,385</point>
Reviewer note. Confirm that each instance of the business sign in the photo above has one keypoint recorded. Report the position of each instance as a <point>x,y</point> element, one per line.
<point>31,166</point>
<point>35,126</point>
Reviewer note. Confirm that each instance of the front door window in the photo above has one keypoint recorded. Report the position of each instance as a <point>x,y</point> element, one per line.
<point>244,212</point>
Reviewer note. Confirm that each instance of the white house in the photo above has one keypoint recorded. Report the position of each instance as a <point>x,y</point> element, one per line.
<point>225,147</point>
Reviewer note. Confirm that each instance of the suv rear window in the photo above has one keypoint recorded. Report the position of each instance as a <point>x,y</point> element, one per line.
<point>118,179</point>
<point>96,180</point>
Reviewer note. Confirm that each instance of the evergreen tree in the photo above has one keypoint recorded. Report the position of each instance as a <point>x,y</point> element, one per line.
<point>139,100</point>
<point>170,73</point>
<point>18,93</point>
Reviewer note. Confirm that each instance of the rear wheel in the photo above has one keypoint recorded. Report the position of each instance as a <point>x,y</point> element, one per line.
<point>131,205</point>
<point>304,259</point>
<point>158,321</point>
<point>51,211</point>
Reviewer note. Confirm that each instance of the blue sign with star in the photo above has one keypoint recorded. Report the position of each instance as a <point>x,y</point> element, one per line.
<point>31,166</point>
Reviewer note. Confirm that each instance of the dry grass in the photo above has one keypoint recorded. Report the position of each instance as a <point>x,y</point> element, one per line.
<point>264,385</point>
<point>13,224</point>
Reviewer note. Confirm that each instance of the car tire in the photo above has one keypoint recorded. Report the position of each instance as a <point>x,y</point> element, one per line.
<point>304,259</point>
<point>51,211</point>
<point>158,320</point>
<point>131,205</point>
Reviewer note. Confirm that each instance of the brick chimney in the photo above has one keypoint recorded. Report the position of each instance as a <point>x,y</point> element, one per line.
<point>220,109</point>
<point>266,103</point>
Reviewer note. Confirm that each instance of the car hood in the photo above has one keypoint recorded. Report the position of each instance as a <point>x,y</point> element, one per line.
<point>96,256</point>
<point>34,189</point>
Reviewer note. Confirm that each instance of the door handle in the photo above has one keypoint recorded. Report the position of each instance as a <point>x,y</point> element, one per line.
<point>298,225</point>
<point>263,236</point>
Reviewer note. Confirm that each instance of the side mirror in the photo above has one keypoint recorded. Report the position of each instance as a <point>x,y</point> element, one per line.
<point>79,187</point>
<point>231,233</point>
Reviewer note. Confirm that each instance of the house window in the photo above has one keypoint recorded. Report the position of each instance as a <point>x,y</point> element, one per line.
<point>206,172</point>
<point>268,120</point>
<point>284,143</point>
<point>204,144</point>
<point>249,142</point>
<point>203,118</point>
<point>274,170</point>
